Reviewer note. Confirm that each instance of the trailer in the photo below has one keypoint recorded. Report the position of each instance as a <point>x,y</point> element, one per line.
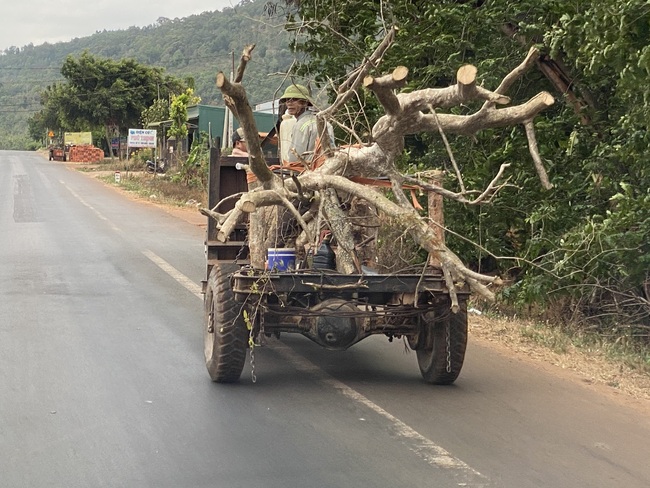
<point>243,304</point>
<point>58,153</point>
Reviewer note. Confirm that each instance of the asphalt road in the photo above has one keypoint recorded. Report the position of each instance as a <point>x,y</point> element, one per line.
<point>102,381</point>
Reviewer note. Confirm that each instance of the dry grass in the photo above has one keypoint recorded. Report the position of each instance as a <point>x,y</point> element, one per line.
<point>594,359</point>
<point>158,188</point>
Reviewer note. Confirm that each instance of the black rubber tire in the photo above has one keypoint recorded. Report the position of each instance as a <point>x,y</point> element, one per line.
<point>432,348</point>
<point>224,330</point>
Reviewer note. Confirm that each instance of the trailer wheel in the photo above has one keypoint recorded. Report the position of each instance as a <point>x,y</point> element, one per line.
<point>441,349</point>
<point>224,330</point>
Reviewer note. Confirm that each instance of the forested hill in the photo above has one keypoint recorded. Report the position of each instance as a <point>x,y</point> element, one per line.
<point>197,46</point>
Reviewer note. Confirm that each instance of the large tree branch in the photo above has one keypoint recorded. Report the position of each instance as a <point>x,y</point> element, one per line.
<point>405,114</point>
<point>515,74</point>
<point>534,152</point>
<point>486,119</point>
<point>406,215</point>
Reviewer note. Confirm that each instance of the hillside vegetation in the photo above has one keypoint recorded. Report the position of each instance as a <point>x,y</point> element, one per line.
<point>192,47</point>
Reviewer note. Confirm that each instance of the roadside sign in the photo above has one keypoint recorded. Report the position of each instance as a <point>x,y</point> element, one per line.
<point>117,177</point>
<point>116,142</point>
<point>78,138</point>
<point>142,138</point>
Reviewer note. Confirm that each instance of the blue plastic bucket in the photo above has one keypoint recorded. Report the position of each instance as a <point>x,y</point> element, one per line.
<point>281,259</point>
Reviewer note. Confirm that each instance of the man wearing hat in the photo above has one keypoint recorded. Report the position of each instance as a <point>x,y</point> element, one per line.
<point>239,146</point>
<point>304,135</point>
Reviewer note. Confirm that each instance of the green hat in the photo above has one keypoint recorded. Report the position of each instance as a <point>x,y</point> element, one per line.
<point>238,135</point>
<point>296,91</point>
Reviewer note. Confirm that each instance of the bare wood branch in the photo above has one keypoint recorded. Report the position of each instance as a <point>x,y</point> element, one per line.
<point>484,197</point>
<point>493,187</point>
<point>466,78</point>
<point>383,89</point>
<point>450,153</point>
<point>234,196</point>
<point>325,141</point>
<point>234,217</point>
<point>219,218</point>
<point>346,260</point>
<point>487,119</point>
<point>235,94</point>
<point>483,291</point>
<point>243,61</point>
<point>534,152</point>
<point>405,113</point>
<point>515,74</point>
<point>451,288</point>
<point>449,96</point>
<point>557,74</point>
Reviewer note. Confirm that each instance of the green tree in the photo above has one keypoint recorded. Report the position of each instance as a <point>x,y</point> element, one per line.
<point>603,257</point>
<point>159,110</point>
<point>178,115</point>
<point>51,117</point>
<point>103,93</point>
<point>596,61</point>
<point>25,72</point>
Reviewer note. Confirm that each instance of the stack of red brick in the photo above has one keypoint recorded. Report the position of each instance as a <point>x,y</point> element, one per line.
<point>85,154</point>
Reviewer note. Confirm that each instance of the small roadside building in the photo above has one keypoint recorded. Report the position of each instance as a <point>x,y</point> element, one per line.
<point>210,121</point>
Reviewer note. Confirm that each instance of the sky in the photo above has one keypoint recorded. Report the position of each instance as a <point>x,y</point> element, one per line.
<point>37,21</point>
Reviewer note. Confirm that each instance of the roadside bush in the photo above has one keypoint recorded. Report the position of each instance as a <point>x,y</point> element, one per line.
<point>601,267</point>
<point>193,172</point>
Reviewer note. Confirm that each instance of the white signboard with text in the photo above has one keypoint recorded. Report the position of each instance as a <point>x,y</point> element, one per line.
<point>141,138</point>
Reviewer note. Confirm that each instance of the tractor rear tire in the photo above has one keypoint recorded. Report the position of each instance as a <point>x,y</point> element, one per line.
<point>441,349</point>
<point>224,330</point>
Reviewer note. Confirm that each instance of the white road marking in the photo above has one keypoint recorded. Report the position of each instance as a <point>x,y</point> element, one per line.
<point>432,453</point>
<point>95,211</point>
<point>183,280</point>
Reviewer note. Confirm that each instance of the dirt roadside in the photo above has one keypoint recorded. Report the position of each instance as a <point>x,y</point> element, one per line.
<point>189,213</point>
<point>588,368</point>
